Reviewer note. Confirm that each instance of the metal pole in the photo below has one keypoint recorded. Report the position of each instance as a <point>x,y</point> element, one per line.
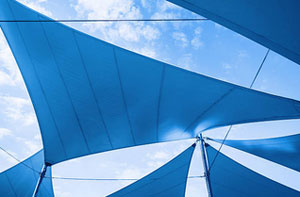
<point>205,165</point>
<point>42,175</point>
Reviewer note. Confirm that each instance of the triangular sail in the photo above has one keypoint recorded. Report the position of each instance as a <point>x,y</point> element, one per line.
<point>90,96</point>
<point>274,24</point>
<point>281,150</point>
<point>21,179</point>
<point>168,180</point>
<point>229,178</point>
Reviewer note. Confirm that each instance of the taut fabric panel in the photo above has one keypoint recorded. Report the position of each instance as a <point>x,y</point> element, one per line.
<point>229,178</point>
<point>272,23</point>
<point>21,179</point>
<point>281,150</point>
<point>90,96</point>
<point>168,180</point>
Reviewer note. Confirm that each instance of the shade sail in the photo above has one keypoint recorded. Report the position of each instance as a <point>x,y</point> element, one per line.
<point>274,24</point>
<point>282,150</point>
<point>168,180</point>
<point>91,96</point>
<point>229,178</point>
<point>21,179</point>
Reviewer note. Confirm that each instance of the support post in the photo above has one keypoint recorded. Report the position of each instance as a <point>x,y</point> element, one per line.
<point>42,175</point>
<point>205,165</point>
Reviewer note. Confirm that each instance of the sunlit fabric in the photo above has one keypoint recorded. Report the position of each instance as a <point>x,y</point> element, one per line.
<point>274,24</point>
<point>168,180</point>
<point>90,96</point>
<point>282,150</point>
<point>229,178</point>
<point>21,179</point>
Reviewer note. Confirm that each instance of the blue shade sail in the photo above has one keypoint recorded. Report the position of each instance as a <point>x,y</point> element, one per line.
<point>274,24</point>
<point>168,180</point>
<point>21,179</point>
<point>281,150</point>
<point>90,96</point>
<point>229,178</point>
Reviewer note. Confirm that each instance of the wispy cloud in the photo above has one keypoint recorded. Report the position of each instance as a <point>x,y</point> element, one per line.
<point>196,41</point>
<point>32,145</point>
<point>17,109</point>
<point>164,6</point>
<point>7,158</point>
<point>60,192</point>
<point>4,132</point>
<point>9,72</point>
<point>159,158</point>
<point>186,61</point>
<point>132,172</point>
<point>147,51</point>
<point>116,9</point>
<point>227,67</point>
<point>37,5</point>
<point>241,56</point>
<point>180,39</point>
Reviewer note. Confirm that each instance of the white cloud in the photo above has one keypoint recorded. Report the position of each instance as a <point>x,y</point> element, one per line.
<point>155,164</point>
<point>147,51</point>
<point>147,4</point>
<point>59,191</point>
<point>186,61</point>
<point>5,79</point>
<point>150,33</point>
<point>9,72</point>
<point>33,145</point>
<point>158,158</point>
<point>164,6</point>
<point>220,27</point>
<point>164,15</point>
<point>130,173</point>
<point>113,9</point>
<point>7,158</point>
<point>127,32</point>
<point>226,66</point>
<point>160,155</point>
<point>167,10</point>
<point>196,41</point>
<point>37,5</point>
<point>180,39</point>
<point>242,54</point>
<point>116,9</point>
<point>37,137</point>
<point>4,132</point>
<point>18,109</point>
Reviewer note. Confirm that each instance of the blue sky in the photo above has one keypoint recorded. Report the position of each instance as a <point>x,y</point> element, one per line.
<point>203,47</point>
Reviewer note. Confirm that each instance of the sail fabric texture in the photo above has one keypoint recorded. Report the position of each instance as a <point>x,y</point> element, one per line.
<point>281,150</point>
<point>168,180</point>
<point>91,96</point>
<point>21,179</point>
<point>229,178</point>
<point>274,24</point>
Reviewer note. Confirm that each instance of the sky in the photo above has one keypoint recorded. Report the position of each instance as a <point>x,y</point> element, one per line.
<point>203,47</point>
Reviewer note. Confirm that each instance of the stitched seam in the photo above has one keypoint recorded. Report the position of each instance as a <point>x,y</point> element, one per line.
<point>67,91</point>
<point>93,91</point>
<point>209,108</point>
<point>9,182</point>
<point>123,96</point>
<point>38,79</point>
<point>159,100</point>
